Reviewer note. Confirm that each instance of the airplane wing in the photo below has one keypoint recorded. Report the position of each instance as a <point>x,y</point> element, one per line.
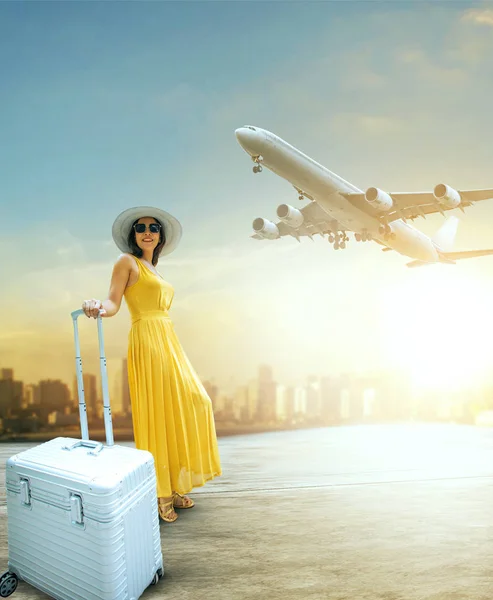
<point>411,205</point>
<point>315,221</point>
<point>466,254</point>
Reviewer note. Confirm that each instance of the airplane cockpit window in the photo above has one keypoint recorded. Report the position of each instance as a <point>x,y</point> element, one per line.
<point>250,127</point>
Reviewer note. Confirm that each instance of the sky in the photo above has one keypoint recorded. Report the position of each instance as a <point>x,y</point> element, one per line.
<point>111,105</point>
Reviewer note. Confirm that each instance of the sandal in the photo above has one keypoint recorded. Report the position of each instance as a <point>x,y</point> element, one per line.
<point>185,501</point>
<point>166,510</point>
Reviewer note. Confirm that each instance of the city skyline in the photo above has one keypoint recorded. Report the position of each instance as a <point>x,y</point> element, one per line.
<point>50,406</point>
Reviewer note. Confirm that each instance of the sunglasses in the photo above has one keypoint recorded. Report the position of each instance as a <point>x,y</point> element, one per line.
<point>153,227</point>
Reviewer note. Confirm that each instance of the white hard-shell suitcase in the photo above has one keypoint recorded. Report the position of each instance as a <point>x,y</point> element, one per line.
<point>82,516</point>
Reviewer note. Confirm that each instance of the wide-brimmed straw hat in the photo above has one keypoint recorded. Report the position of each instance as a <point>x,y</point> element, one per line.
<point>124,221</point>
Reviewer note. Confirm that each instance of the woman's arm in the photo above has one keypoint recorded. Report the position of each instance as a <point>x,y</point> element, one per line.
<point>119,280</point>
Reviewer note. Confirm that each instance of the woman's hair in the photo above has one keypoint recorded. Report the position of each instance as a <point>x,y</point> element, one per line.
<point>136,251</point>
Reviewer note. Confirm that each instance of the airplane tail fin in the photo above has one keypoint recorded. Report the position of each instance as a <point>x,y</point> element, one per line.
<point>444,238</point>
<point>444,242</point>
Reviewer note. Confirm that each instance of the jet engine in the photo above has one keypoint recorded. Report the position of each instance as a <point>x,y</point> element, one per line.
<point>379,199</point>
<point>290,215</point>
<point>265,229</point>
<point>447,196</point>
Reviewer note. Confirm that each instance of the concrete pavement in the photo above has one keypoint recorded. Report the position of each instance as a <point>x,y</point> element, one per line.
<point>377,513</point>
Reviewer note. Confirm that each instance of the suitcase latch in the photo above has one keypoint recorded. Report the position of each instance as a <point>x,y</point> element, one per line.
<point>76,510</point>
<point>25,492</point>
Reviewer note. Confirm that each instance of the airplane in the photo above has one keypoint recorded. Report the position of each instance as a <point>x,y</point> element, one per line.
<point>337,206</point>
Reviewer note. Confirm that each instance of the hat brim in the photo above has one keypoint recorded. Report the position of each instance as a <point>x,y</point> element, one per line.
<point>124,221</point>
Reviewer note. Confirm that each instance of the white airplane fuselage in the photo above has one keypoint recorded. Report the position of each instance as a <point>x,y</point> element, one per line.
<point>326,188</point>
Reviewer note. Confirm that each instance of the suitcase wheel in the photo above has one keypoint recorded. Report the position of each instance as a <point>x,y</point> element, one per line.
<point>8,584</point>
<point>157,576</point>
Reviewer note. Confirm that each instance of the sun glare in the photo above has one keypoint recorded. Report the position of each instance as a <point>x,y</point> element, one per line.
<point>437,324</point>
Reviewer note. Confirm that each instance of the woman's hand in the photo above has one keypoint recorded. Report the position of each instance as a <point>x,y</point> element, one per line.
<point>92,307</point>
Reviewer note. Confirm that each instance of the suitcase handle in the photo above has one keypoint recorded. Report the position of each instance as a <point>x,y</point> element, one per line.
<point>98,446</point>
<point>108,426</point>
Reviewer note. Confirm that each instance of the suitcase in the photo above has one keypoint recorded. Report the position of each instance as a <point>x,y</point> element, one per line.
<point>83,522</point>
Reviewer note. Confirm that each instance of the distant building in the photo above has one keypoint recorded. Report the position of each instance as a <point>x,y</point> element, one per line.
<point>313,398</point>
<point>54,395</point>
<point>369,403</point>
<point>240,408</point>
<point>330,392</point>
<point>299,403</point>
<point>393,399</point>
<point>266,410</point>
<point>252,400</point>
<point>213,393</point>
<point>11,394</point>
<point>281,404</point>
<point>59,419</point>
<point>352,391</point>
<point>32,396</point>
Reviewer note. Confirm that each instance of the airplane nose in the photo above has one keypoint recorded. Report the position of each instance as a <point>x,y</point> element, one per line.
<point>249,139</point>
<point>243,134</point>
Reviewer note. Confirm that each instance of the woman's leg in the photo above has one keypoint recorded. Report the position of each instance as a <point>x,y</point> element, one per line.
<point>166,506</point>
<point>166,510</point>
<point>180,501</point>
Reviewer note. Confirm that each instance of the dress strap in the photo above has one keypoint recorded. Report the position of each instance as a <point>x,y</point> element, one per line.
<point>140,264</point>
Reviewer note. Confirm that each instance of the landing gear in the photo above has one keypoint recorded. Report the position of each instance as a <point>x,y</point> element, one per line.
<point>364,236</point>
<point>8,584</point>
<point>258,167</point>
<point>386,231</point>
<point>338,239</point>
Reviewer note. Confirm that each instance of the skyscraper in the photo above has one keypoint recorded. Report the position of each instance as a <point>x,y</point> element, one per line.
<point>313,397</point>
<point>32,395</point>
<point>266,395</point>
<point>11,393</point>
<point>54,395</point>
<point>7,374</point>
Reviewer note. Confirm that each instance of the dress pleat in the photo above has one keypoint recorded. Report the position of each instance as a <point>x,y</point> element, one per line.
<point>171,411</point>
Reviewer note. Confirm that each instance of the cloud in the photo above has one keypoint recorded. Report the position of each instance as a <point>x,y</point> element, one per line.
<point>479,16</point>
<point>411,57</point>
<point>361,72</point>
<point>432,71</point>
<point>368,124</point>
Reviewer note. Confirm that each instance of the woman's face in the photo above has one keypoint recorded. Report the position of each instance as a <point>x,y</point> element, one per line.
<point>147,239</point>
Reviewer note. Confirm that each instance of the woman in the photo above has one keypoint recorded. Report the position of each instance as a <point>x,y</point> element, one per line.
<point>171,411</point>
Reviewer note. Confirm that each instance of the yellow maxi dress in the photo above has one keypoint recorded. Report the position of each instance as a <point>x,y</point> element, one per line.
<point>171,410</point>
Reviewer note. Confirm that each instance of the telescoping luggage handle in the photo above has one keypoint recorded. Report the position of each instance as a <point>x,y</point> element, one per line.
<point>108,426</point>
